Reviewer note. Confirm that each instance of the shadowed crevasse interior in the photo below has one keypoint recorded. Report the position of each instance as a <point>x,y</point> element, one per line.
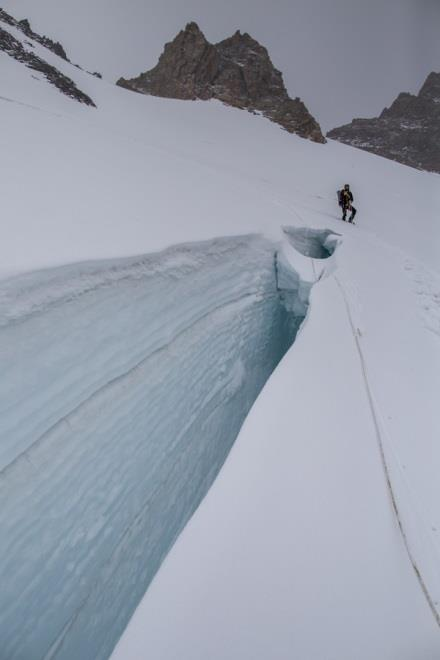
<point>314,243</point>
<point>123,385</point>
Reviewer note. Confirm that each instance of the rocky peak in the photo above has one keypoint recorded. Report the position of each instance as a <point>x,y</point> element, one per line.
<point>237,71</point>
<point>408,131</point>
<point>191,39</point>
<point>431,87</point>
<point>184,68</point>
<point>193,28</point>
<point>243,39</point>
<point>256,79</point>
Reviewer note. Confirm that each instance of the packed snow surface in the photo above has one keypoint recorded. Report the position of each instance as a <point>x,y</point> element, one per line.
<point>134,341</point>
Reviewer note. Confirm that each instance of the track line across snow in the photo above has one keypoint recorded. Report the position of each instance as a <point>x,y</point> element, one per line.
<point>380,442</point>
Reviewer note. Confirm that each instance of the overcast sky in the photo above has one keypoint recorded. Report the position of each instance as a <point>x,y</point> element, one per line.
<point>344,58</point>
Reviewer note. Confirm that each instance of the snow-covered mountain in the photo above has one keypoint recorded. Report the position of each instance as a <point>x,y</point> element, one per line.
<point>159,259</point>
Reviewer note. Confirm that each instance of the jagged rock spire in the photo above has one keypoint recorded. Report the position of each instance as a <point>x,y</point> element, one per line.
<point>237,71</point>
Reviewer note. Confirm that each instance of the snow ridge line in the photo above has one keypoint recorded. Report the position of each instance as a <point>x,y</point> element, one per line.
<point>68,284</point>
<point>380,442</point>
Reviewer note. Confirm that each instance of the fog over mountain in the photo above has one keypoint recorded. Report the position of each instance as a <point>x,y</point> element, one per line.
<point>344,58</point>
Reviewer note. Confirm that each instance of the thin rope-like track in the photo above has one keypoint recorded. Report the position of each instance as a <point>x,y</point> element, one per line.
<point>380,442</point>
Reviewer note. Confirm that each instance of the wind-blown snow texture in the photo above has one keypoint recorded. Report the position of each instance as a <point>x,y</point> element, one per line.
<point>123,387</point>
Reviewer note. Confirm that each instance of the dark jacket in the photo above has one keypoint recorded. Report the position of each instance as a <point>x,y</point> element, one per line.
<point>345,198</point>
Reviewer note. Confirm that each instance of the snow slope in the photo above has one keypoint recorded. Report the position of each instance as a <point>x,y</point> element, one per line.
<point>252,176</point>
<point>296,550</point>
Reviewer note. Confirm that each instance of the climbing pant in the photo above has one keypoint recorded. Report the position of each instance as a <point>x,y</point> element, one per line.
<point>344,213</point>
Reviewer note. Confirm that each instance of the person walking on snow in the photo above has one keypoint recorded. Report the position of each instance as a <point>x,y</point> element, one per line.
<point>345,202</point>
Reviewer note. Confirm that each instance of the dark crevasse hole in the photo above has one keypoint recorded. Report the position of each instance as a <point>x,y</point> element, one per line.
<point>315,243</point>
<point>139,375</point>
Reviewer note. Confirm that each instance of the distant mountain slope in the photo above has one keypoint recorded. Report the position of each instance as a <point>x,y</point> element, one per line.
<point>25,27</point>
<point>237,71</point>
<point>408,131</point>
<point>22,51</point>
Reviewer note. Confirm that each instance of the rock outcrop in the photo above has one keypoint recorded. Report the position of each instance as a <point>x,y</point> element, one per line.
<point>237,71</point>
<point>25,27</point>
<point>19,51</point>
<point>408,131</point>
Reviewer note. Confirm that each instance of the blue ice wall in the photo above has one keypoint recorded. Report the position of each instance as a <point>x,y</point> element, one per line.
<point>122,387</point>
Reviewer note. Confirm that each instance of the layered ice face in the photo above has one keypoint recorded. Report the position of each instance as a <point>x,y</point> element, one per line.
<point>123,385</point>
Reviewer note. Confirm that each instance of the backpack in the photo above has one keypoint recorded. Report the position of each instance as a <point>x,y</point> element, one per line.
<point>340,200</point>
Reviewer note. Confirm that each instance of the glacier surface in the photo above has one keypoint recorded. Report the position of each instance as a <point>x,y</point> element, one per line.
<point>123,386</point>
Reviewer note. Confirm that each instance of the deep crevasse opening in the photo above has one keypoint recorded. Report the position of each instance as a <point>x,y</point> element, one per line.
<point>123,387</point>
<point>314,243</point>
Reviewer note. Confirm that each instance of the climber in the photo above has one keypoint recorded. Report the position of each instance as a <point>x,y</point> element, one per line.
<point>345,202</point>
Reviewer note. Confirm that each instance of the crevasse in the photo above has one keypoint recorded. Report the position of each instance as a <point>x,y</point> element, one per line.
<point>123,385</point>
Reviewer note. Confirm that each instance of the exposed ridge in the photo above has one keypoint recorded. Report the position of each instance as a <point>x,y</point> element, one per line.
<point>408,131</point>
<point>237,71</point>
<point>15,49</point>
<point>25,27</point>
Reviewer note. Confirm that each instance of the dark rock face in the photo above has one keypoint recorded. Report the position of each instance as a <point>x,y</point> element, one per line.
<point>24,26</point>
<point>237,71</point>
<point>408,131</point>
<point>54,46</point>
<point>15,49</point>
